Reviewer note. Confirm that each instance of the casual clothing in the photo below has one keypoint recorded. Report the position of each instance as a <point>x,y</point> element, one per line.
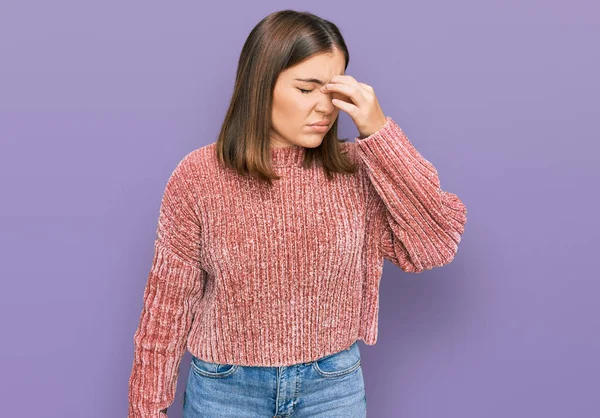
<point>255,276</point>
<point>330,387</point>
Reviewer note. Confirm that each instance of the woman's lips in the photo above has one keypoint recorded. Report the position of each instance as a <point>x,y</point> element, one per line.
<point>319,128</point>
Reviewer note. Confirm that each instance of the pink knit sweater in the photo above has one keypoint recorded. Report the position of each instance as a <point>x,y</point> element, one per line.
<point>243,274</point>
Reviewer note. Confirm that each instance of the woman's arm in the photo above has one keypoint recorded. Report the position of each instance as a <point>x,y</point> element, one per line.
<point>415,223</point>
<point>173,290</point>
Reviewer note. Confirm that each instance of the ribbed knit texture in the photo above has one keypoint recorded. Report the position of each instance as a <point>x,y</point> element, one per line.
<point>243,274</point>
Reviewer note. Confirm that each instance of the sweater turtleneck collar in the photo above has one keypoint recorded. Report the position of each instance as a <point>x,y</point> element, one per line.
<point>288,156</point>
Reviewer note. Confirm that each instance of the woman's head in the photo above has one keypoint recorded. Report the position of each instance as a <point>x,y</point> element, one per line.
<point>271,105</point>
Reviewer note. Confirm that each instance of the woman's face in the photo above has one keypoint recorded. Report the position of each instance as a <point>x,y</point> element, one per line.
<point>297,103</point>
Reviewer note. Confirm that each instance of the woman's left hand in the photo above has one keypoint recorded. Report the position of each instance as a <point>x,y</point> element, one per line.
<point>363,106</point>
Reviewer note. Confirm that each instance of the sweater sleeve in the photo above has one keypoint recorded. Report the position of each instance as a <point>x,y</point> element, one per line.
<point>173,289</point>
<point>417,225</point>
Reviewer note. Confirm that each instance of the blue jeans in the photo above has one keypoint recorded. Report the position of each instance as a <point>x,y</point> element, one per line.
<point>331,386</point>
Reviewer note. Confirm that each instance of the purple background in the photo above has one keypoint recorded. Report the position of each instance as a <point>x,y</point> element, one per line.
<point>98,103</point>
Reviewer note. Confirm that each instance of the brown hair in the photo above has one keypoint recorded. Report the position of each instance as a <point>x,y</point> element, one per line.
<point>279,41</point>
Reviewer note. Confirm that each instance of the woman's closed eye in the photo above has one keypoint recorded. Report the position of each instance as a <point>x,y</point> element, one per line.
<point>305,91</point>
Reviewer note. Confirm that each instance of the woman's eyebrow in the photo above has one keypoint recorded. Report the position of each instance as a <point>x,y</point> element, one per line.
<point>310,80</point>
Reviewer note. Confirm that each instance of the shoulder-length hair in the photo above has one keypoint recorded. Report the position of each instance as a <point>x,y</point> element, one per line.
<point>279,41</point>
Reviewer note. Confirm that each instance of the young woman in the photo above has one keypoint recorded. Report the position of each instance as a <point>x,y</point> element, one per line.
<point>271,240</point>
